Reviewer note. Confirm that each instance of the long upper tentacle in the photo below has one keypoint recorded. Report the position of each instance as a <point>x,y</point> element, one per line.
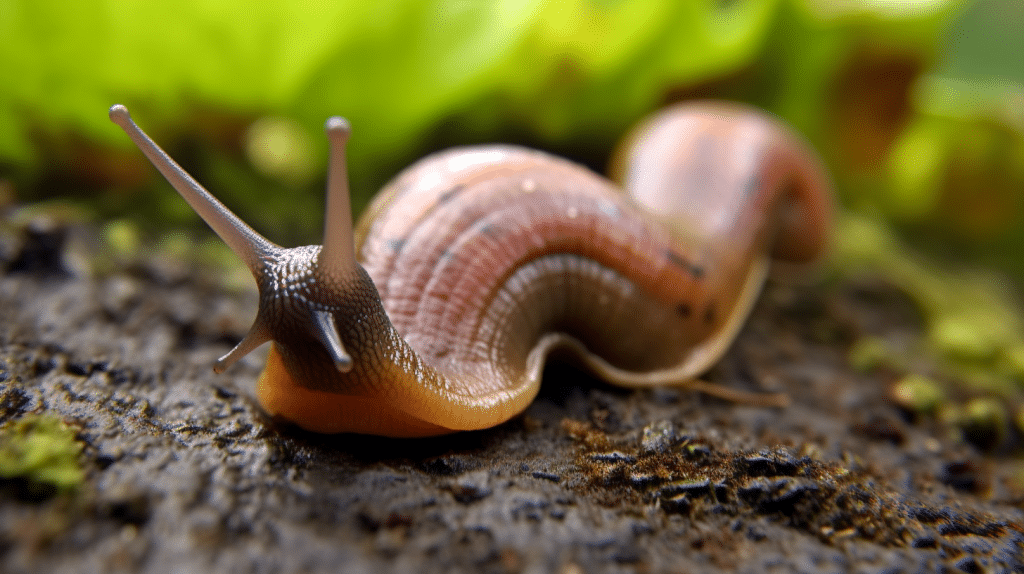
<point>242,239</point>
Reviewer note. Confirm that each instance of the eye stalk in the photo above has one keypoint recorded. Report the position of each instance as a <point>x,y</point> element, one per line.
<point>337,258</point>
<point>337,261</point>
<point>328,334</point>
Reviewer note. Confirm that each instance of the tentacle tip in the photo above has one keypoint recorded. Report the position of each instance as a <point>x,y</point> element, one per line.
<point>343,364</point>
<point>338,127</point>
<point>119,113</point>
<point>221,365</point>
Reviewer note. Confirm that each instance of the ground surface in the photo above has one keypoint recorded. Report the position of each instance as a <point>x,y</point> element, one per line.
<point>185,474</point>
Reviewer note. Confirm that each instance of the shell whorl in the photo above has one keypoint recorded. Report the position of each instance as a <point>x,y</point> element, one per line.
<point>458,244</point>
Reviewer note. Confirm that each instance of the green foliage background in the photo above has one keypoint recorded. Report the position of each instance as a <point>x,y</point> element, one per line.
<point>410,75</point>
<point>917,106</point>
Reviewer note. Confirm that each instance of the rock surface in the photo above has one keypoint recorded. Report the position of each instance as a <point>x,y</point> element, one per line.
<point>184,473</point>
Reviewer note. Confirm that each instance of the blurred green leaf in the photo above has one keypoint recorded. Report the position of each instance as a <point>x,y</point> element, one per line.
<point>395,68</point>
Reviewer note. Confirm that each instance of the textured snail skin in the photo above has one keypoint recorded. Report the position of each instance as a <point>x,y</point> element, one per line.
<point>476,264</point>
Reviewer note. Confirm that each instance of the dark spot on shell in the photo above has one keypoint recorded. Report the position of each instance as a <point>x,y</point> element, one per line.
<point>450,194</point>
<point>753,184</point>
<point>686,265</point>
<point>684,310</point>
<point>710,313</point>
<point>396,245</point>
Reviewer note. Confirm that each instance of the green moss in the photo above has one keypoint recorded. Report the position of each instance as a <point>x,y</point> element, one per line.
<point>972,319</point>
<point>122,237</point>
<point>43,450</point>
<point>919,393</point>
<point>869,353</point>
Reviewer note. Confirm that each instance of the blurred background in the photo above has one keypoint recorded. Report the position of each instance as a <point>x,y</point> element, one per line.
<point>917,106</point>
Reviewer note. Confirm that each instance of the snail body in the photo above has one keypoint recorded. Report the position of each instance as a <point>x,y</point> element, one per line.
<point>475,264</point>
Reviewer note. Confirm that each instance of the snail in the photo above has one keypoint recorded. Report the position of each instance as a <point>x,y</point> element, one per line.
<point>437,311</point>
